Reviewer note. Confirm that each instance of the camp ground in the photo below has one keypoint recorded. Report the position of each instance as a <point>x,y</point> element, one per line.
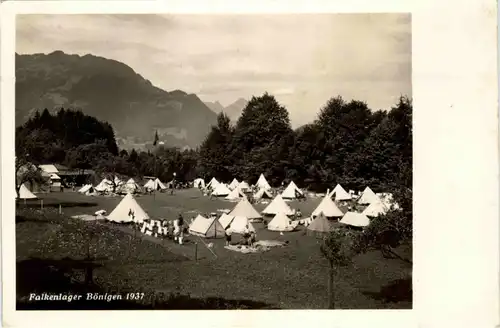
<point>150,221</point>
<point>259,167</point>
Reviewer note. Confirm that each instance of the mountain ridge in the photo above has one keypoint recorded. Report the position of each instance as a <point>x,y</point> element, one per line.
<point>111,91</point>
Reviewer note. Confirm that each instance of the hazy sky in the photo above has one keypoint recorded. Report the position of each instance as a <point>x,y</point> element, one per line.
<point>301,59</point>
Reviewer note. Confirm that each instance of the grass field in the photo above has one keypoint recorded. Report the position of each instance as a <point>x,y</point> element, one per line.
<point>52,256</point>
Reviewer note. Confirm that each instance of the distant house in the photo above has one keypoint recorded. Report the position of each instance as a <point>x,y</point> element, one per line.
<point>61,175</point>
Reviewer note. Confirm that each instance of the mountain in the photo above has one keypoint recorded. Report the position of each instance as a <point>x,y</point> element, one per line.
<point>233,111</point>
<point>216,107</point>
<point>110,91</point>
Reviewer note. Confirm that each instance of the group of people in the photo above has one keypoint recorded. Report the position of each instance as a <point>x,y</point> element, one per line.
<point>249,237</point>
<point>171,229</point>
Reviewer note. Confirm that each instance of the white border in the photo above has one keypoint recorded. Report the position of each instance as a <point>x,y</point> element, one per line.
<point>456,250</point>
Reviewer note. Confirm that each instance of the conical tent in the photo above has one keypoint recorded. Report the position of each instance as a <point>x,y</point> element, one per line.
<point>207,228</point>
<point>320,225</point>
<point>234,194</point>
<point>263,193</point>
<point>328,208</point>
<point>278,205</point>
<point>128,210</point>
<point>221,190</point>
<point>262,182</point>
<point>213,183</point>
<point>104,186</point>
<point>375,209</point>
<point>150,185</point>
<point>339,193</point>
<point>159,185</point>
<point>234,184</point>
<point>292,191</point>
<point>355,219</point>
<point>368,197</point>
<point>280,222</point>
<point>245,209</point>
<point>241,224</point>
<point>129,187</point>
<point>25,193</point>
<point>87,189</point>
<point>199,183</point>
<point>225,220</point>
<point>243,186</point>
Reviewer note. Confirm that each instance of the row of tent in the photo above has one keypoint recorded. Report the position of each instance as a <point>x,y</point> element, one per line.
<point>236,189</point>
<point>130,186</point>
<point>128,210</point>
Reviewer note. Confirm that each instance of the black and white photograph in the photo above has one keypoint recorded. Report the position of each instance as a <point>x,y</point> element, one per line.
<point>213,161</point>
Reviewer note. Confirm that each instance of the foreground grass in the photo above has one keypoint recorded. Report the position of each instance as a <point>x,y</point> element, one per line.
<point>51,246</point>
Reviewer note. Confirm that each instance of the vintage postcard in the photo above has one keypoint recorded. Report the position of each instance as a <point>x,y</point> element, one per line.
<point>211,161</point>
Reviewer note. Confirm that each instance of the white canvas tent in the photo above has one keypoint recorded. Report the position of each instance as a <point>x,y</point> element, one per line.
<point>243,186</point>
<point>292,192</point>
<point>281,222</point>
<point>320,225</point>
<point>150,185</point>
<point>25,193</point>
<point>199,183</point>
<point>221,190</point>
<point>87,189</point>
<point>104,186</point>
<point>128,210</point>
<point>241,224</point>
<point>262,182</point>
<point>213,183</point>
<point>235,194</point>
<point>262,193</point>
<point>130,186</point>
<point>207,228</point>
<point>245,209</point>
<point>368,197</point>
<point>225,219</point>
<point>338,193</point>
<point>375,209</point>
<point>355,219</point>
<point>159,185</point>
<point>278,205</point>
<point>234,184</point>
<point>328,207</point>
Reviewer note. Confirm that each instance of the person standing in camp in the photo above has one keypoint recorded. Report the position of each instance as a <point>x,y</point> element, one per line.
<point>180,224</point>
<point>228,235</point>
<point>253,238</point>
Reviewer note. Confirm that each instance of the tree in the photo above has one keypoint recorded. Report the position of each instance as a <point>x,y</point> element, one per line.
<point>260,140</point>
<point>214,160</point>
<point>27,172</point>
<point>337,249</point>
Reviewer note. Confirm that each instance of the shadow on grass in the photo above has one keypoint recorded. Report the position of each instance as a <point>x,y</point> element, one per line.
<point>56,204</point>
<point>399,290</point>
<point>52,277</point>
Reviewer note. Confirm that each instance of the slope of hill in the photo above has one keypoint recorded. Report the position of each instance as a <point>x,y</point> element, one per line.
<point>109,90</point>
<point>233,111</point>
<point>216,107</point>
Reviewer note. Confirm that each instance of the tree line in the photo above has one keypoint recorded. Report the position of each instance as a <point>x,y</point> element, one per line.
<point>347,143</point>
